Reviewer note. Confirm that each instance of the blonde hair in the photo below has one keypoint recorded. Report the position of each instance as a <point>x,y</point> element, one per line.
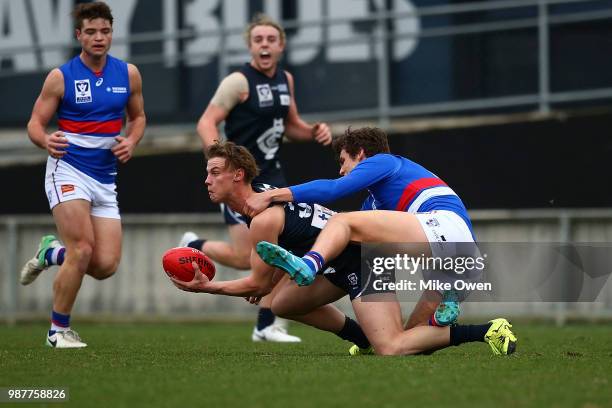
<point>261,19</point>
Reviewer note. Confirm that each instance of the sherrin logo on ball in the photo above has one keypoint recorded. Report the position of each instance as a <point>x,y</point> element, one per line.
<point>177,263</point>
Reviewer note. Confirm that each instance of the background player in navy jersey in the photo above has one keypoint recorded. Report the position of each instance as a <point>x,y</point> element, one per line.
<point>90,94</point>
<point>231,169</point>
<point>296,225</point>
<point>395,183</point>
<point>258,106</point>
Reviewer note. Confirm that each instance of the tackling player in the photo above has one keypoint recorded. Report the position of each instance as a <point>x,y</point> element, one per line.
<point>414,195</point>
<point>230,169</point>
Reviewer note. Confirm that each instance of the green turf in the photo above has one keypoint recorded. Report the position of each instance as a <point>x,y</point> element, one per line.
<point>217,365</point>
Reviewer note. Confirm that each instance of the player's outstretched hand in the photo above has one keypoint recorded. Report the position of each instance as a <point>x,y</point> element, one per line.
<point>256,203</point>
<point>322,134</point>
<point>197,284</point>
<point>56,144</point>
<point>123,149</point>
<point>254,300</point>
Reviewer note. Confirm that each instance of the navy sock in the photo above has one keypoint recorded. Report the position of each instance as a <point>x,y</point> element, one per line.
<point>467,333</point>
<point>352,332</point>
<point>314,260</point>
<point>265,318</point>
<point>197,244</point>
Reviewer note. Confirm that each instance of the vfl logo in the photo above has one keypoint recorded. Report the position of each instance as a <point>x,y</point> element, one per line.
<point>82,90</point>
<point>432,222</point>
<point>269,141</point>
<point>99,81</point>
<point>264,93</point>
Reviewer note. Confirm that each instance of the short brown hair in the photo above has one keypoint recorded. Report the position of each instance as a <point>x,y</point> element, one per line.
<point>372,140</point>
<point>91,11</point>
<point>236,157</point>
<point>261,19</point>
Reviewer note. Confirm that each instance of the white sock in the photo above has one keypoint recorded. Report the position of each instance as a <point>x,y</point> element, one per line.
<point>59,328</point>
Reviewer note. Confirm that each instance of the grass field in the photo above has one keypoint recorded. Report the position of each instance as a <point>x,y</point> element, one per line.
<point>216,365</point>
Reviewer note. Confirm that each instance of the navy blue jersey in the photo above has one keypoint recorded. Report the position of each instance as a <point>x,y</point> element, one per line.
<point>303,224</point>
<point>258,123</point>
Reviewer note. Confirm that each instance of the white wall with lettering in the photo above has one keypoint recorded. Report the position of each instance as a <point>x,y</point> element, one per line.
<point>47,23</point>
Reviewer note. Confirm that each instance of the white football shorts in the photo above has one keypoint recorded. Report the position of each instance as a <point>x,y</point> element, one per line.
<point>450,237</point>
<point>443,230</point>
<point>64,183</point>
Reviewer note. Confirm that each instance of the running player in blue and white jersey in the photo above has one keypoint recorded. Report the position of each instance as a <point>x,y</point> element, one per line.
<point>90,94</point>
<point>406,197</point>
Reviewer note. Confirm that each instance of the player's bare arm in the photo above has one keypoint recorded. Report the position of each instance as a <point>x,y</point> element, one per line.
<point>136,119</point>
<point>267,226</point>
<point>44,108</point>
<point>297,129</point>
<point>234,89</point>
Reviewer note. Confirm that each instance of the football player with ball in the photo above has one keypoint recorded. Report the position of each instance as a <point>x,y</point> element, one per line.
<point>231,169</point>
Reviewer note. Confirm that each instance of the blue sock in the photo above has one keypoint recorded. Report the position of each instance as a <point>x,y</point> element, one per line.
<point>59,321</point>
<point>314,260</point>
<point>55,256</point>
<point>265,318</point>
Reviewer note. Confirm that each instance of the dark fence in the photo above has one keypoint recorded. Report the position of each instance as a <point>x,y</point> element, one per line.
<point>545,164</point>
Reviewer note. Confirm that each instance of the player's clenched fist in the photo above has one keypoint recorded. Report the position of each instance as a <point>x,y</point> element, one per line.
<point>56,144</point>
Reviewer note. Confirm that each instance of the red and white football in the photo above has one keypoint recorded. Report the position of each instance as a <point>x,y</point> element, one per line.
<point>177,263</point>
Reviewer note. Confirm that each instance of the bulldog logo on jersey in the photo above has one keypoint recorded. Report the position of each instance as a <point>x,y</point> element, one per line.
<point>264,93</point>
<point>82,91</point>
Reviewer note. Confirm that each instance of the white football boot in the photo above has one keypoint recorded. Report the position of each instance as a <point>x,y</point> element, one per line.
<point>64,339</point>
<point>37,264</point>
<point>274,334</point>
<point>188,237</point>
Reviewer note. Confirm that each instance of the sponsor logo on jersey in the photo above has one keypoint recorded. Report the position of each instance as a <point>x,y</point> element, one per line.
<point>285,99</point>
<point>82,91</point>
<point>99,81</point>
<point>282,88</point>
<point>265,96</point>
<point>321,216</point>
<point>119,89</point>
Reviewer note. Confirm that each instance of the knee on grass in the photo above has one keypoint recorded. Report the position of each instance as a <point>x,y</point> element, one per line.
<point>395,347</point>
